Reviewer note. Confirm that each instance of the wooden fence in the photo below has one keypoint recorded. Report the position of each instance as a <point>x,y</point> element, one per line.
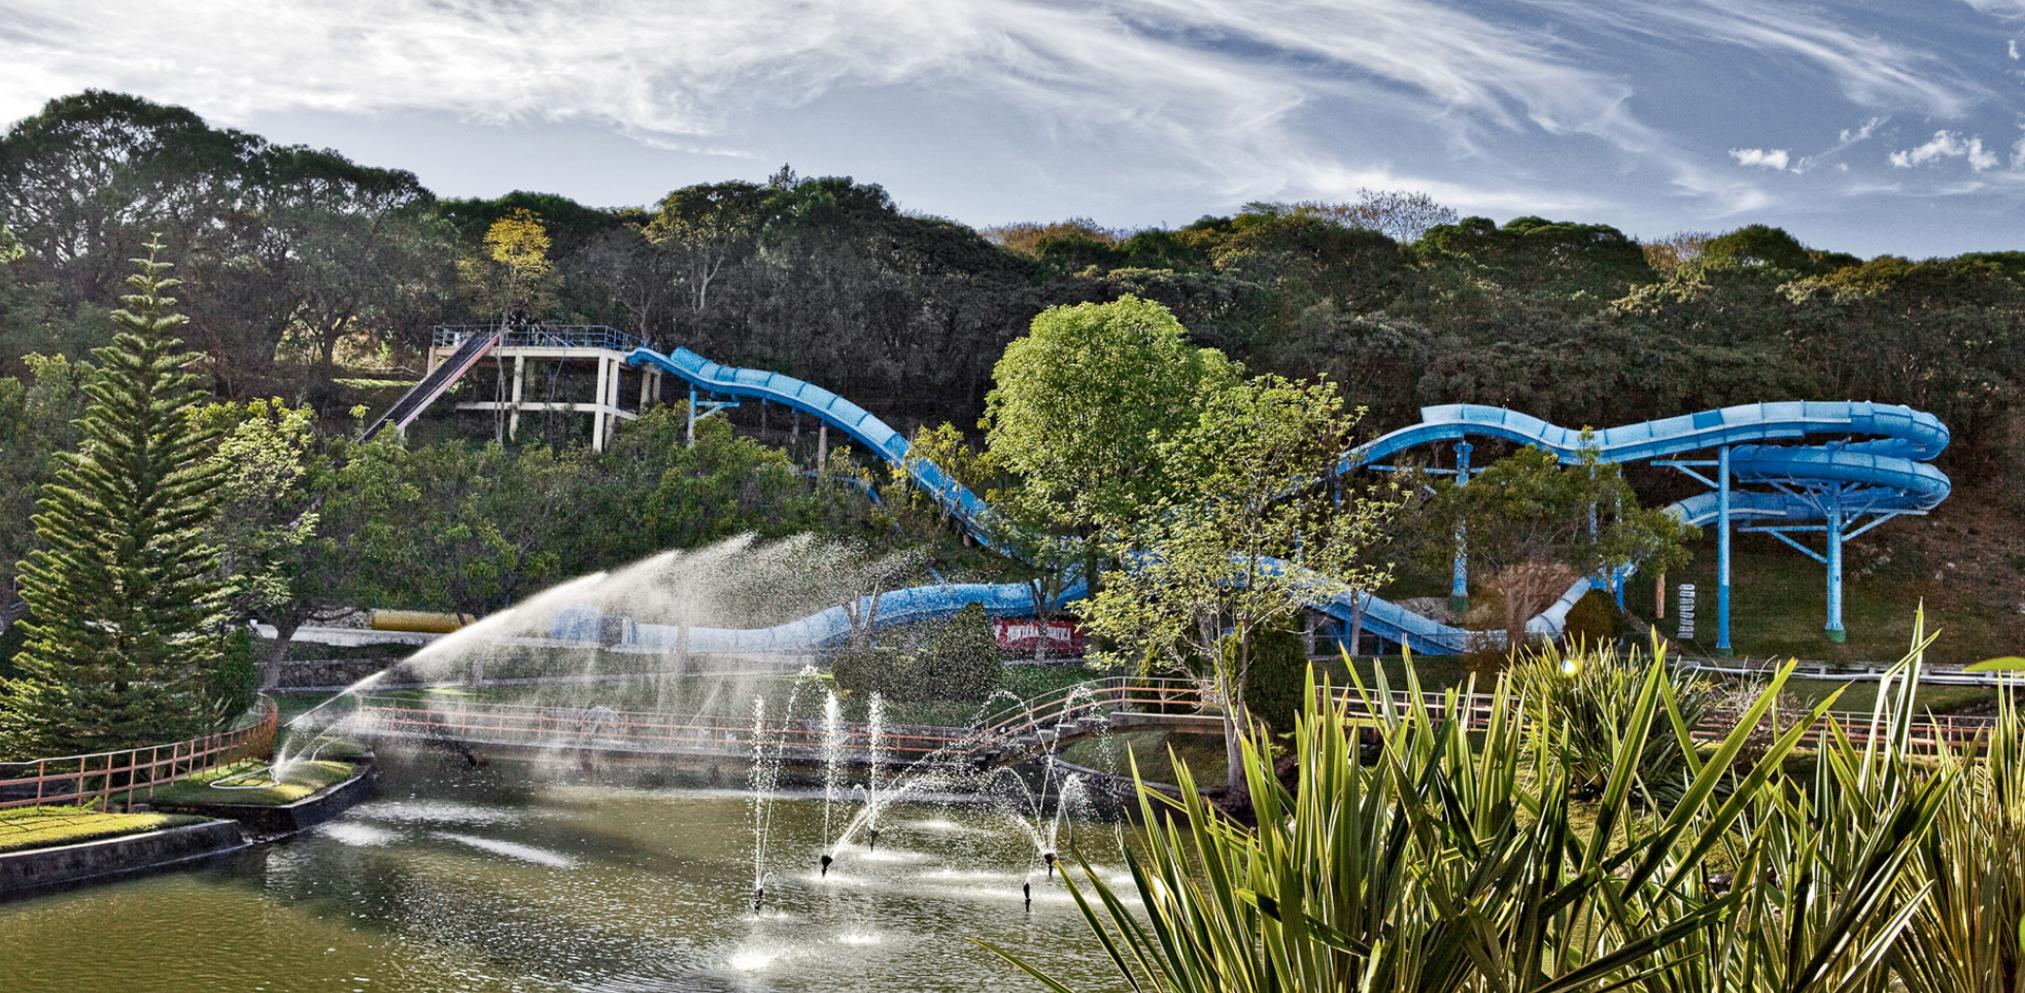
<point>102,776</point>
<point>1007,732</point>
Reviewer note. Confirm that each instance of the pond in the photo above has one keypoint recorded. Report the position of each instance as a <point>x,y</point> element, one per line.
<point>511,878</point>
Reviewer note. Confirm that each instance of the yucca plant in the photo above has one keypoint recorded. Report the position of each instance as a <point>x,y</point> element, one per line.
<point>1967,934</point>
<point>1461,859</point>
<point>1581,692</point>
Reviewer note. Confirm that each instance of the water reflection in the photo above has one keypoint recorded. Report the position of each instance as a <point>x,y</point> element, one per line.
<point>484,879</point>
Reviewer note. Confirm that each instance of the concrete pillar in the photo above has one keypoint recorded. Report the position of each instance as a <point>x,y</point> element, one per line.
<point>1835,632</point>
<point>1723,550</point>
<point>597,412</point>
<point>519,378</point>
<point>823,447</point>
<point>611,401</point>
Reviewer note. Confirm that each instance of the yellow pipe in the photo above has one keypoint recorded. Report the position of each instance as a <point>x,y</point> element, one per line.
<point>421,621</point>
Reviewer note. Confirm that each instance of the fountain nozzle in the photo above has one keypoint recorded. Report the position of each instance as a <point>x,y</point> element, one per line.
<point>1027,889</point>
<point>872,836</point>
<point>827,859</point>
<point>1051,859</point>
<point>758,898</point>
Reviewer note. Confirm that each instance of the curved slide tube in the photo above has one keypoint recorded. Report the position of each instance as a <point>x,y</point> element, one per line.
<point>1812,458</point>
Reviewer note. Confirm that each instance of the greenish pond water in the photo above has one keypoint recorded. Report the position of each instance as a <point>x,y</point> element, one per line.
<point>460,879</point>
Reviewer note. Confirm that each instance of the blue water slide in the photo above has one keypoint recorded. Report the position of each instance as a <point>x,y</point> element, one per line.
<point>1808,460</point>
<point>822,629</point>
<point>856,422</point>
<point>1861,453</point>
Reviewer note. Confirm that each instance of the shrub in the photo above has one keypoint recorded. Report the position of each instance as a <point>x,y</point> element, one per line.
<point>864,671</point>
<point>1594,620</point>
<point>1278,677</point>
<point>1586,699</point>
<point>963,661</point>
<point>957,659</point>
<point>233,685</point>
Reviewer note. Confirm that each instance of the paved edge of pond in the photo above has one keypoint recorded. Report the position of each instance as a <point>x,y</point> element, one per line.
<point>271,823</point>
<point>42,869</point>
<point>235,827</point>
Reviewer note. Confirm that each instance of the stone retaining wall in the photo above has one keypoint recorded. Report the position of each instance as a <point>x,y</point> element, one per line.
<point>320,674</point>
<point>43,868</point>
<point>271,822</point>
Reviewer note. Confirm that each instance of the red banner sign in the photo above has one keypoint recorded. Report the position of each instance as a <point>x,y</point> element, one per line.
<point>1063,637</point>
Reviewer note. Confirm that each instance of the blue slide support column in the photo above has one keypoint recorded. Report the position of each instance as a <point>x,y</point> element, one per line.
<point>1723,550</point>
<point>1459,575</point>
<point>691,436</point>
<point>1835,632</point>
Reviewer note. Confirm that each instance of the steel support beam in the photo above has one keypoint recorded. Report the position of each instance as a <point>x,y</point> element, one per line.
<point>1723,551</point>
<point>1834,629</point>
<point>1459,573</point>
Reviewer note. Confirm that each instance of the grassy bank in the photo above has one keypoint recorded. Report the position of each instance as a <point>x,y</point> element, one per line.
<point>252,787</point>
<point>47,827</point>
<point>1778,603</point>
<point>1155,751</point>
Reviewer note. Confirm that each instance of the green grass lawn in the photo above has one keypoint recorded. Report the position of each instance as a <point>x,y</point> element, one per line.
<point>1778,606</point>
<point>302,780</point>
<point>1150,748</point>
<point>25,828</point>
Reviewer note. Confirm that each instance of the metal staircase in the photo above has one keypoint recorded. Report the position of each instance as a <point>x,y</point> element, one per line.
<point>437,382</point>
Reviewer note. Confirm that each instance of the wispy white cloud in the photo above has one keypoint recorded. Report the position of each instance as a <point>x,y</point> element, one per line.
<point>1767,158</point>
<point>1532,105</point>
<point>1872,71</point>
<point>2001,8</point>
<point>1946,145</point>
<point>1331,180</point>
<point>2011,49</point>
<point>1219,84</point>
<point>1862,132</point>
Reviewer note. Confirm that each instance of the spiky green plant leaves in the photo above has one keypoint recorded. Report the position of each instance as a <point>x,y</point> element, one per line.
<point>1437,842</point>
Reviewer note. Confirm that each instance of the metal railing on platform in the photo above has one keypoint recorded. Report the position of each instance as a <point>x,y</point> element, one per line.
<point>79,779</point>
<point>541,336</point>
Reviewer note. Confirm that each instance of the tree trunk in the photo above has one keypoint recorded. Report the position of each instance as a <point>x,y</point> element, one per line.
<point>277,653</point>
<point>1038,590</point>
<point>1236,724</point>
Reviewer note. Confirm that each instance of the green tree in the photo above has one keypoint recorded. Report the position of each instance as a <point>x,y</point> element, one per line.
<point>1083,400</point>
<point>512,274</point>
<point>38,418</point>
<point>1534,525</point>
<point>274,466</point>
<point>1018,527</point>
<point>125,599</point>
<point>1238,546</point>
<point>706,228</point>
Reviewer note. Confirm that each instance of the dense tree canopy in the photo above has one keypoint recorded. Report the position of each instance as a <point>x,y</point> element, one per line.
<point>300,261</point>
<point>313,280</point>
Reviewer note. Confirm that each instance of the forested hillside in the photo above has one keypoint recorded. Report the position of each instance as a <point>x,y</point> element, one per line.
<point>306,276</point>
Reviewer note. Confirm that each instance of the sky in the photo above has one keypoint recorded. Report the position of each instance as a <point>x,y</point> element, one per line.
<point>1892,126</point>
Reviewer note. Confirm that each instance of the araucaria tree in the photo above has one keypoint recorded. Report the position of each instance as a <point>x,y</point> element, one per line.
<point>1535,524</point>
<point>1252,531</point>
<point>125,600</point>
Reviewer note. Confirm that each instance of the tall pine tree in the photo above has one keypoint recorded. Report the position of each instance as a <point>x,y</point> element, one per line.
<point>126,602</point>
